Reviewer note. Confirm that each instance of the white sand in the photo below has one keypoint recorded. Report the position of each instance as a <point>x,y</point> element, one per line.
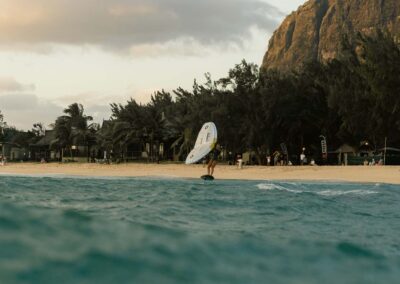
<point>376,174</point>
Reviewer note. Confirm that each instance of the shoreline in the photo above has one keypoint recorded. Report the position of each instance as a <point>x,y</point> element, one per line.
<point>361,174</point>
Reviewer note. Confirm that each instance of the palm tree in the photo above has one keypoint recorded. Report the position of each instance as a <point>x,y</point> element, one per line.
<point>62,129</point>
<point>73,128</point>
<point>2,124</point>
<point>38,129</point>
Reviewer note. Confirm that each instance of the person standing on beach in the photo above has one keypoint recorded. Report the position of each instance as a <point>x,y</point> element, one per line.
<point>213,159</point>
<point>303,160</point>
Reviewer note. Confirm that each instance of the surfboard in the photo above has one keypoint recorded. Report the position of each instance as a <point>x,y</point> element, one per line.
<point>205,142</point>
<point>207,177</point>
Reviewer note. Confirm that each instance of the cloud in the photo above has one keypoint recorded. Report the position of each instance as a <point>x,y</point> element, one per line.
<point>8,84</point>
<point>98,105</point>
<point>23,110</point>
<point>131,24</point>
<point>95,105</point>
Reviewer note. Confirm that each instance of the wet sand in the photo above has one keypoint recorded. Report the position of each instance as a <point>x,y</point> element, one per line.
<point>376,174</point>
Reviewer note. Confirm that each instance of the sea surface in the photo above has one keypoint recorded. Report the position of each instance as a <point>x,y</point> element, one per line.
<point>135,230</point>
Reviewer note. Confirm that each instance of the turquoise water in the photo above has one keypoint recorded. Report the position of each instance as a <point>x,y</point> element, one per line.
<point>78,230</point>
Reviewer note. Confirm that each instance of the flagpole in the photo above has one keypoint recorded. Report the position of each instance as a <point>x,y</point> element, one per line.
<point>384,152</point>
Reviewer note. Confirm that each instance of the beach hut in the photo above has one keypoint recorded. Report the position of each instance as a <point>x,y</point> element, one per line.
<point>390,155</point>
<point>5,149</point>
<point>13,151</point>
<point>18,153</point>
<point>42,148</point>
<point>366,149</point>
<point>344,152</point>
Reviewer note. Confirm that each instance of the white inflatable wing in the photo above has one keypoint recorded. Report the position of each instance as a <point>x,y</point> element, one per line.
<point>205,142</point>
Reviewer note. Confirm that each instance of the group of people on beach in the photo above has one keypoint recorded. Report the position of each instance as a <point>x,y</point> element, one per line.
<point>278,159</point>
<point>373,162</point>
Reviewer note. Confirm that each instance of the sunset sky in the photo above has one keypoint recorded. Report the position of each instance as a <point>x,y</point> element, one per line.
<point>56,52</point>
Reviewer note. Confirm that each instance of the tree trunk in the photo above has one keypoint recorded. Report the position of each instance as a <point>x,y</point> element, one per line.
<point>88,153</point>
<point>258,156</point>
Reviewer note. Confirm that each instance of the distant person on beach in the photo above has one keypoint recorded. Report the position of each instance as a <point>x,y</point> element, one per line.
<point>276,158</point>
<point>239,161</point>
<point>303,160</point>
<point>213,159</point>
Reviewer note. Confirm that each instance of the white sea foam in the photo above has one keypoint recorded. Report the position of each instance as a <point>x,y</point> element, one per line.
<point>339,192</point>
<point>272,186</point>
<point>269,186</point>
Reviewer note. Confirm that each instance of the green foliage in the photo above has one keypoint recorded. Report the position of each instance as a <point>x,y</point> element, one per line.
<point>38,129</point>
<point>364,88</point>
<point>2,126</point>
<point>73,128</point>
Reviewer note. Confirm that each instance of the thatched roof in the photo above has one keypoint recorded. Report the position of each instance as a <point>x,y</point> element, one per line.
<point>47,139</point>
<point>345,148</point>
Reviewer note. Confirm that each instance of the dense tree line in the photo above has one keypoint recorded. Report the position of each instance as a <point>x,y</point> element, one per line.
<point>353,98</point>
<point>12,135</point>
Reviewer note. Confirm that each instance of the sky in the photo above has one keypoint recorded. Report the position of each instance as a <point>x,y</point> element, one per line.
<point>95,52</point>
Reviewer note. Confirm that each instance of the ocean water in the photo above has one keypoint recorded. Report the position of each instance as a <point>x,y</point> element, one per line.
<point>87,230</point>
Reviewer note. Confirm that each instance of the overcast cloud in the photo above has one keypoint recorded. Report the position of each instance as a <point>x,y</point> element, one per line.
<point>8,84</point>
<point>121,24</point>
<point>23,110</point>
<point>56,52</point>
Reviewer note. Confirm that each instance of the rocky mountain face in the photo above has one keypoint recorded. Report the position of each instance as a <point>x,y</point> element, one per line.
<point>315,30</point>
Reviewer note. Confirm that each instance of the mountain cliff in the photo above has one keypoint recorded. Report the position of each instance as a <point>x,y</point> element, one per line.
<point>315,30</point>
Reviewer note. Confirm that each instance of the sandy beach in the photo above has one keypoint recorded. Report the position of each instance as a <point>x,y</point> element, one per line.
<point>377,174</point>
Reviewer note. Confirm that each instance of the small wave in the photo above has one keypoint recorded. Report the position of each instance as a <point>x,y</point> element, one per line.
<point>354,250</point>
<point>272,186</point>
<point>339,192</point>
